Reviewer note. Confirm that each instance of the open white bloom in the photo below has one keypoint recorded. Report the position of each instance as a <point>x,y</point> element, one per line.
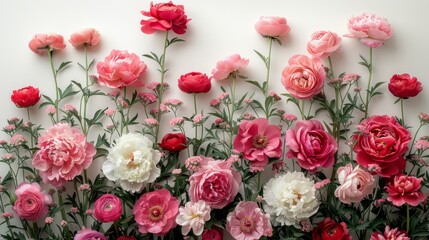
<point>193,216</point>
<point>131,162</point>
<point>290,198</point>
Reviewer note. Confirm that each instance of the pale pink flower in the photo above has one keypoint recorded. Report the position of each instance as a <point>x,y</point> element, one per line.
<point>272,26</point>
<point>84,187</point>
<point>198,118</point>
<point>7,215</point>
<point>351,77</point>
<point>355,184</point>
<point>43,42</point>
<point>388,234</point>
<point>306,225</point>
<point>64,223</point>
<point>215,102</point>
<point>85,37</point>
<point>176,171</point>
<point>9,127</point>
<point>110,112</point>
<point>248,116</point>
<point>163,108</point>
<point>74,209</point>
<point>278,166</point>
<point>17,140</point>
<point>173,102</point>
<point>194,163</point>
<point>155,85</point>
<point>274,95</point>
<point>231,64</point>
<point>405,189</point>
<point>424,117</point>
<point>147,98</point>
<point>324,182</point>
<point>422,144</point>
<point>114,93</point>
<point>370,29</point>
<point>122,103</point>
<point>193,216</point>
<point>248,100</point>
<point>3,142</point>
<point>50,110</point>
<point>31,204</point>
<point>289,117</point>
<point>259,198</point>
<point>254,168</point>
<point>12,120</point>
<point>8,156</point>
<point>69,108</point>
<point>151,122</point>
<point>49,220</point>
<point>177,121</point>
<point>323,43</point>
<point>88,211</point>
<point>223,96</point>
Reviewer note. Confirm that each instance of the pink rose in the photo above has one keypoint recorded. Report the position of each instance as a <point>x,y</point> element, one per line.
<point>404,86</point>
<point>304,77</point>
<point>390,234</point>
<point>355,184</point>
<point>231,64</point>
<point>89,234</point>
<point>323,43</point>
<point>31,203</point>
<point>370,29</point>
<point>194,82</point>
<point>381,144</point>
<point>87,37</point>
<point>311,145</point>
<point>121,69</point>
<point>63,154</point>
<point>108,208</point>
<point>42,42</point>
<point>272,26</point>
<point>215,182</point>
<point>405,189</point>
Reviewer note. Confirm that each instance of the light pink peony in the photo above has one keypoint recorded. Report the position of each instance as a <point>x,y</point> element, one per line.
<point>304,77</point>
<point>388,234</point>
<point>85,37</point>
<point>155,212</point>
<point>311,145</point>
<point>43,42</point>
<point>272,26</point>
<point>121,69</point>
<point>193,216</point>
<point>215,182</point>
<point>323,43</point>
<point>248,222</point>
<point>108,208</point>
<point>405,189</point>
<point>355,184</point>
<point>258,141</point>
<point>370,29</point>
<point>89,234</point>
<point>31,203</point>
<point>230,65</point>
<point>63,154</point>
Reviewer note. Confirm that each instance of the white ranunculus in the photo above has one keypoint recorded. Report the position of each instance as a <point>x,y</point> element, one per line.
<point>132,161</point>
<point>290,198</point>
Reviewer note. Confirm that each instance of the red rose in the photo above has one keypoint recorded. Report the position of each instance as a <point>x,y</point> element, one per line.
<point>404,86</point>
<point>174,142</point>
<point>195,82</point>
<point>126,238</point>
<point>25,97</point>
<point>328,229</point>
<point>212,234</point>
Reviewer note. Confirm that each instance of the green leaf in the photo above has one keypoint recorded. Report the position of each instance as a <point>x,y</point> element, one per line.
<point>63,65</point>
<point>264,59</point>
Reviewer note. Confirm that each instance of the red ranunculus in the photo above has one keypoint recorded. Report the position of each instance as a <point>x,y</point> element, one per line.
<point>212,234</point>
<point>25,97</point>
<point>174,142</point>
<point>404,86</point>
<point>195,82</point>
<point>328,229</point>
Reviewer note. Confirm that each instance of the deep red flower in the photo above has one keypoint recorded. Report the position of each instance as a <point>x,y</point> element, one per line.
<point>195,82</point>
<point>404,86</point>
<point>328,229</point>
<point>25,97</point>
<point>174,142</point>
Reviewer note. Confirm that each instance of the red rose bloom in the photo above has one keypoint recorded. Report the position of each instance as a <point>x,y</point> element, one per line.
<point>212,234</point>
<point>25,97</point>
<point>328,229</point>
<point>404,86</point>
<point>174,142</point>
<point>195,82</point>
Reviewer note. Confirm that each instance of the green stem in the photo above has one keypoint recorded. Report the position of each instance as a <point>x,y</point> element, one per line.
<point>268,63</point>
<point>231,116</point>
<point>63,215</point>
<point>196,112</point>
<point>402,112</point>
<point>408,218</point>
<point>31,129</point>
<point>414,139</point>
<point>302,109</point>
<point>51,61</point>
<point>369,83</point>
<point>86,98</point>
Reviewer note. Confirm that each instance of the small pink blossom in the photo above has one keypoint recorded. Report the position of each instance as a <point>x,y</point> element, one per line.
<point>17,140</point>
<point>278,166</point>
<point>74,209</point>
<point>193,216</point>
<point>155,85</point>
<point>422,144</point>
<point>69,108</point>
<point>193,163</point>
<point>3,142</point>
<point>351,77</point>
<point>254,169</point>
<point>84,187</point>
<point>63,223</point>
<point>114,93</point>
<point>230,65</point>
<point>198,118</point>
<point>147,98</point>
<point>248,100</point>
<point>122,103</point>
<point>223,96</point>
<point>424,118</point>
<point>177,121</point>
<point>163,108</point>
<point>259,198</point>
<point>215,102</point>
<point>233,159</point>
<point>8,156</point>
<point>50,110</point>
<point>289,117</point>
<point>7,215</point>
<point>110,112</point>
<point>151,121</point>
<point>176,171</point>
<point>248,116</point>
<point>274,95</point>
<point>88,211</point>
<point>31,204</point>
<point>173,102</point>
<point>12,120</point>
<point>9,127</point>
<point>49,220</point>
<point>306,225</point>
<point>324,182</point>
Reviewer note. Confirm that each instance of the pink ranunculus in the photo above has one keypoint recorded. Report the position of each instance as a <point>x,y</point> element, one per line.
<point>108,208</point>
<point>258,141</point>
<point>304,77</point>
<point>194,82</point>
<point>390,234</point>
<point>121,69</point>
<point>370,29</point>
<point>405,189</point>
<point>311,145</point>
<point>89,234</point>
<point>43,42</point>
<point>272,26</point>
<point>404,86</point>
<point>230,65</point>
<point>85,37</point>
<point>381,144</point>
<point>63,154</point>
<point>355,184</point>
<point>248,222</point>
<point>31,203</point>
<point>215,182</point>
<point>323,44</point>
<point>155,212</point>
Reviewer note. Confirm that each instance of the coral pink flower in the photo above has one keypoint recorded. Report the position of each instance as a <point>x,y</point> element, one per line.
<point>328,229</point>
<point>355,184</point>
<point>108,208</point>
<point>63,154</point>
<point>272,26</point>
<point>31,203</point>
<point>405,189</point>
<point>85,37</point>
<point>155,212</point>
<point>248,222</point>
<point>44,42</point>
<point>89,234</point>
<point>304,77</point>
<point>323,43</point>
<point>370,29</point>
<point>311,145</point>
<point>230,65</point>
<point>193,216</point>
<point>258,141</point>
<point>121,69</point>
<point>404,86</point>
<point>390,234</point>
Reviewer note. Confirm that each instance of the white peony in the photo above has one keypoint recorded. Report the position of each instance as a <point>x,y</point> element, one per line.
<point>290,198</point>
<point>131,162</point>
<point>193,216</point>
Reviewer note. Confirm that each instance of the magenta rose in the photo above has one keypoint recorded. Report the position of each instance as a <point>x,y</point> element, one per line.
<point>31,203</point>
<point>195,82</point>
<point>89,234</point>
<point>355,184</point>
<point>107,208</point>
<point>46,42</point>
<point>381,144</point>
<point>405,189</point>
<point>215,182</point>
<point>304,77</point>
<point>323,43</point>
<point>272,26</point>
<point>370,29</point>
<point>311,145</point>
<point>231,64</point>
<point>404,86</point>
<point>85,37</point>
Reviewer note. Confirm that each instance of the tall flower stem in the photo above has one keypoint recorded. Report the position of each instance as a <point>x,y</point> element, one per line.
<point>268,63</point>
<point>408,218</point>
<point>368,88</point>
<point>301,109</point>
<point>63,215</point>
<point>85,96</point>
<point>402,111</point>
<point>196,112</point>
<point>231,116</point>
<point>31,129</point>
<point>54,72</point>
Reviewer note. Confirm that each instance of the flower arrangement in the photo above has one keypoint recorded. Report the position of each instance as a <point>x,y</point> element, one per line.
<point>241,167</point>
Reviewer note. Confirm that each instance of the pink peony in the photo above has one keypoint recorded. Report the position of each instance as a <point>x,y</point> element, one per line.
<point>31,203</point>
<point>108,208</point>
<point>155,212</point>
<point>323,43</point>
<point>121,69</point>
<point>405,189</point>
<point>48,42</point>
<point>370,29</point>
<point>215,182</point>
<point>355,184</point>
<point>89,234</point>
<point>390,234</point>
<point>272,26</point>
<point>63,154</point>
<point>248,222</point>
<point>85,37</point>
<point>228,66</point>
<point>311,145</point>
<point>258,141</point>
<point>304,77</point>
